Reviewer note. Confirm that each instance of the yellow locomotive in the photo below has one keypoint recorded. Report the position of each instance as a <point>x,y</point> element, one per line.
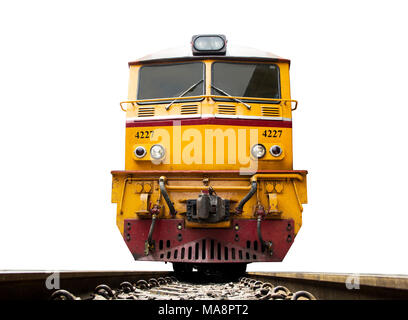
<point>209,177</point>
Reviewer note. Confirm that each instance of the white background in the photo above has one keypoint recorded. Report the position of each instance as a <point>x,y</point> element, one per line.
<point>63,71</point>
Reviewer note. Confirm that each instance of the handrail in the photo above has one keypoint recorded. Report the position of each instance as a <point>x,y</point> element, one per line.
<point>133,102</point>
<point>199,188</point>
<point>279,176</point>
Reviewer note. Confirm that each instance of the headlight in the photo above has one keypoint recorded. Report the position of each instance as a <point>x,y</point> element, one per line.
<point>157,152</point>
<point>275,150</point>
<point>140,152</point>
<point>209,44</point>
<point>258,151</point>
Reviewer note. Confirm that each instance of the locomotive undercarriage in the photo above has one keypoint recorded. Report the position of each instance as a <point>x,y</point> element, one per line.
<point>232,220</point>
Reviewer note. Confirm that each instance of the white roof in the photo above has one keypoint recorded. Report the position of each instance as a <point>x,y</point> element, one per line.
<point>233,51</point>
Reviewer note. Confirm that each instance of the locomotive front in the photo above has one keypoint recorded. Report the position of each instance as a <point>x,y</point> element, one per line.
<point>208,177</point>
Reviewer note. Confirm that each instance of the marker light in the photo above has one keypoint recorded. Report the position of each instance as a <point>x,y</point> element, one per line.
<point>140,152</point>
<point>258,151</point>
<point>209,44</point>
<point>275,150</point>
<point>157,152</point>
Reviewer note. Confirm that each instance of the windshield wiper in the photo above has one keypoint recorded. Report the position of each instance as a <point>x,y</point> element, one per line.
<point>233,98</point>
<point>184,93</point>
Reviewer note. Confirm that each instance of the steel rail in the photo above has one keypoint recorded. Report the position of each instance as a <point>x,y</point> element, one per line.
<point>340,286</point>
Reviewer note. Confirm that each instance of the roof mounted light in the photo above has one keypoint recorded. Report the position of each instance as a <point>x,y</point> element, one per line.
<point>213,44</point>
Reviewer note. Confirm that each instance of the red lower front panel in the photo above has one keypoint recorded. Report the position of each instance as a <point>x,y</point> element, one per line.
<point>175,243</point>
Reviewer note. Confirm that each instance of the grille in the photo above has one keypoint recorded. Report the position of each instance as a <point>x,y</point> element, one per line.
<point>145,112</point>
<point>225,109</point>
<point>271,111</point>
<point>189,109</point>
<point>210,250</point>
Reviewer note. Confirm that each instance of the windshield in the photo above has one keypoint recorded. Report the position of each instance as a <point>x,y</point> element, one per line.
<point>170,80</point>
<point>258,80</point>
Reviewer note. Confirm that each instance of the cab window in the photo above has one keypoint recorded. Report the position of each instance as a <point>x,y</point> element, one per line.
<point>171,80</point>
<point>255,80</point>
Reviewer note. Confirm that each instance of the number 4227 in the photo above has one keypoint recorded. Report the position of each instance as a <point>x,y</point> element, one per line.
<point>272,133</point>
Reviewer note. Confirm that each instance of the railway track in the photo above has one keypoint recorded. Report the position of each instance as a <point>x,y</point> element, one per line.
<point>124,285</point>
<point>169,288</point>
